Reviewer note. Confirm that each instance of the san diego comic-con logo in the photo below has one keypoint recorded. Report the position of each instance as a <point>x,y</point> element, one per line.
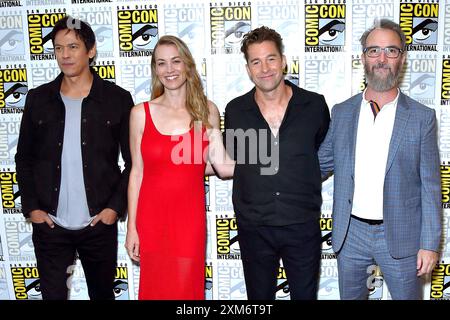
<point>106,70</point>
<point>13,88</point>
<point>283,16</point>
<point>419,77</point>
<point>358,77</point>
<point>11,200</point>
<point>445,185</point>
<point>187,21</point>
<point>364,12</point>
<point>326,227</point>
<point>230,280</point>
<point>324,27</point>
<point>445,87</point>
<point>136,78</point>
<point>121,283</point>
<point>26,282</point>
<point>283,292</point>
<point>208,282</point>
<point>446,39</point>
<point>12,45</point>
<point>207,193</point>
<point>227,238</point>
<point>40,25</point>
<point>9,136</point>
<point>292,70</point>
<point>228,25</point>
<point>138,30</point>
<point>440,282</point>
<point>100,18</point>
<point>18,238</point>
<point>375,282</point>
<point>4,291</point>
<point>419,22</point>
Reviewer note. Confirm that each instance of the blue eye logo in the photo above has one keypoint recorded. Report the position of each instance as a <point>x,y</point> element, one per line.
<point>422,85</point>
<point>424,31</point>
<point>15,95</point>
<point>235,32</point>
<point>103,36</point>
<point>331,32</point>
<point>145,37</point>
<point>11,42</point>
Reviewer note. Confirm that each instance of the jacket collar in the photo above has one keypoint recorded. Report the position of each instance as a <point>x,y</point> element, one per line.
<point>96,92</point>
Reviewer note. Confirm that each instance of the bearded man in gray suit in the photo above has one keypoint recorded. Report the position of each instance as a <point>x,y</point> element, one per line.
<point>382,148</point>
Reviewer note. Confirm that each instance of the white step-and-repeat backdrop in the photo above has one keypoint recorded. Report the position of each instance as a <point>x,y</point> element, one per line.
<point>327,62</point>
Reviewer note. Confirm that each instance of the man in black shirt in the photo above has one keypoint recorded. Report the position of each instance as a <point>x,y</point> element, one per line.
<point>274,132</point>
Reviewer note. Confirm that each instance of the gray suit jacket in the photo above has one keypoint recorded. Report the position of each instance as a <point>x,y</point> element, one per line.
<point>412,185</point>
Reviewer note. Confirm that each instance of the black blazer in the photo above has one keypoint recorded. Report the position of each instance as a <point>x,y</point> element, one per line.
<point>104,131</point>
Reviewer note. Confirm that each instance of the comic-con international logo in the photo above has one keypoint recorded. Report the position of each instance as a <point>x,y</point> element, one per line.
<point>445,185</point>
<point>9,136</point>
<point>283,292</point>
<point>136,78</point>
<point>18,238</point>
<point>419,22</point>
<point>326,227</point>
<point>358,77</point>
<point>227,239</point>
<point>187,21</point>
<point>419,77</point>
<point>440,282</point>
<point>11,201</point>
<point>121,283</point>
<point>13,88</point>
<point>11,36</point>
<point>100,18</point>
<point>138,30</point>
<point>324,26</point>
<point>292,70</point>
<point>208,282</point>
<point>228,26</point>
<point>230,280</point>
<point>10,3</point>
<point>364,12</point>
<point>445,88</point>
<point>40,26</point>
<point>375,282</point>
<point>106,70</point>
<point>4,291</point>
<point>283,16</point>
<point>207,193</point>
<point>26,282</point>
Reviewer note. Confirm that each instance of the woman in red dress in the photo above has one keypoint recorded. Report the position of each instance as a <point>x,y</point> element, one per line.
<point>172,137</point>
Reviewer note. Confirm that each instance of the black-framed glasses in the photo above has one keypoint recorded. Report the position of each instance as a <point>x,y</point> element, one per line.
<point>390,52</point>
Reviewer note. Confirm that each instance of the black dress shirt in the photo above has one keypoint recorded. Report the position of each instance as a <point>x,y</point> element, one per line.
<point>289,191</point>
<point>104,133</point>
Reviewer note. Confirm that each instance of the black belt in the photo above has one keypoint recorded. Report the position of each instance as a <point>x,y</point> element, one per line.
<point>368,221</point>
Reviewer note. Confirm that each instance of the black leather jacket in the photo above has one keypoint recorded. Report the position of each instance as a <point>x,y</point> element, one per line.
<point>104,131</point>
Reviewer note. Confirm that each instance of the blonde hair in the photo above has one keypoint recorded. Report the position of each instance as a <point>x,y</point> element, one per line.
<point>196,101</point>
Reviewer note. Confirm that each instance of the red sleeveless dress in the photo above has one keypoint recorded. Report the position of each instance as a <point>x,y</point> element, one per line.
<point>171,219</point>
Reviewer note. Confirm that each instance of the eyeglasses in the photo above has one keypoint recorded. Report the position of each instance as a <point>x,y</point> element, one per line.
<point>390,52</point>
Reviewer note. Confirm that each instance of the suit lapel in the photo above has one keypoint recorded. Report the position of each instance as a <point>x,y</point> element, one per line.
<point>400,122</point>
<point>353,128</point>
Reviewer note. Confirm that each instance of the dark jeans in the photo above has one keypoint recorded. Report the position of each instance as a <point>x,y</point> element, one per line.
<point>298,245</point>
<point>55,251</point>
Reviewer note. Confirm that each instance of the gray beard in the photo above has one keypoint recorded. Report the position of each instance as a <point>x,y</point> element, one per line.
<point>379,84</point>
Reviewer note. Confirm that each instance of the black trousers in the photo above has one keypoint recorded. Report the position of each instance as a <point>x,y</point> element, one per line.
<point>298,245</point>
<point>55,252</point>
